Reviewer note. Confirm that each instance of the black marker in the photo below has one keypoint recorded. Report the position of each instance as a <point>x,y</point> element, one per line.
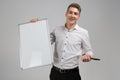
<point>95,59</point>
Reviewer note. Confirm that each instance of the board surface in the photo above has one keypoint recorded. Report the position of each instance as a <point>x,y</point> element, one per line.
<point>35,46</point>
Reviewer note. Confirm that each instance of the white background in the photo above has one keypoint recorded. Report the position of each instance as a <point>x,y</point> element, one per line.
<point>100,17</point>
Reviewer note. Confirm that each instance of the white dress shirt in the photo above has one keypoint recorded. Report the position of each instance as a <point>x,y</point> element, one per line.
<point>69,46</point>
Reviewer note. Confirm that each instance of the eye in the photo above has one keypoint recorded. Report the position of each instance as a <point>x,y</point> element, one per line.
<point>70,12</point>
<point>75,13</point>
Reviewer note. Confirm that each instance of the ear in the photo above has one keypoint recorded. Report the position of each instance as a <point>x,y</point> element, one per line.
<point>66,13</point>
<point>79,16</point>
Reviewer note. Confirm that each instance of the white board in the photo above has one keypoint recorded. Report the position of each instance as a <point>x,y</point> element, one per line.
<point>35,46</point>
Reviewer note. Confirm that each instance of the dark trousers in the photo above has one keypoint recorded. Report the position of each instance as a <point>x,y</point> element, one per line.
<point>57,74</point>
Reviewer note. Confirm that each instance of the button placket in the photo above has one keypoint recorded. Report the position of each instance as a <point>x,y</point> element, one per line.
<point>65,42</point>
<point>63,50</point>
<point>64,47</point>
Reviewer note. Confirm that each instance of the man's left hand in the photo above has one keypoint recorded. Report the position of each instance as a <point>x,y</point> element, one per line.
<point>86,57</point>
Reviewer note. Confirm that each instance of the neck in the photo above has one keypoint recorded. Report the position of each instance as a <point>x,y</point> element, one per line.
<point>69,26</point>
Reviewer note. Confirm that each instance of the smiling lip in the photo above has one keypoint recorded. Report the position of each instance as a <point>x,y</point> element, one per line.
<point>71,19</point>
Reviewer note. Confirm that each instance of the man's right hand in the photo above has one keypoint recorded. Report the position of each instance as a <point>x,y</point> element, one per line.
<point>34,20</point>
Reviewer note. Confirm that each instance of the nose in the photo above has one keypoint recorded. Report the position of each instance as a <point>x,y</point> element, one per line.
<point>72,15</point>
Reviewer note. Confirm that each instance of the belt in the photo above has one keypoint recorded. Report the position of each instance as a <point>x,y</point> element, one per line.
<point>65,70</point>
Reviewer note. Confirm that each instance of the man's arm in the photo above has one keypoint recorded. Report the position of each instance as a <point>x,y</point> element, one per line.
<point>52,37</point>
<point>87,55</point>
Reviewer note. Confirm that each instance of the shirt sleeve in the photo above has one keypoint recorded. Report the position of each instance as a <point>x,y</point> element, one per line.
<point>52,37</point>
<point>86,45</point>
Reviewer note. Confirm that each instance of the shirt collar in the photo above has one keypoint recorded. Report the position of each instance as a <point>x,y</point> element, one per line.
<point>75,28</point>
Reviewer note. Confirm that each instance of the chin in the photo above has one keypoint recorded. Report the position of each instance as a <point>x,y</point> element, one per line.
<point>72,22</point>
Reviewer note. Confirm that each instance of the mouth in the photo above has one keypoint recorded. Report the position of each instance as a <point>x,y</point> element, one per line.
<point>71,19</point>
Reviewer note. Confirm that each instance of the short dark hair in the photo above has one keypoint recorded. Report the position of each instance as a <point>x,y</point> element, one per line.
<point>75,5</point>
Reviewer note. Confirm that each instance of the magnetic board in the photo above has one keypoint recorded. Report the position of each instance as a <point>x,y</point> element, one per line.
<point>35,46</point>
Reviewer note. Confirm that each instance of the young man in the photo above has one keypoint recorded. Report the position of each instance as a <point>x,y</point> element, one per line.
<point>71,42</point>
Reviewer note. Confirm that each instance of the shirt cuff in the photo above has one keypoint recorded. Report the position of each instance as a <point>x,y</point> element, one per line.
<point>90,53</point>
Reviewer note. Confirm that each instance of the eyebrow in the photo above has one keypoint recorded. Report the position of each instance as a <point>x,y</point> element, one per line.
<point>74,12</point>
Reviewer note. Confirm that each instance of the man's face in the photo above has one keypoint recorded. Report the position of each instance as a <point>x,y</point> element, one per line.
<point>72,15</point>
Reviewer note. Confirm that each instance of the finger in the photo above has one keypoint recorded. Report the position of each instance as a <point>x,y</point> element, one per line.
<point>85,58</point>
<point>34,20</point>
<point>88,57</point>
